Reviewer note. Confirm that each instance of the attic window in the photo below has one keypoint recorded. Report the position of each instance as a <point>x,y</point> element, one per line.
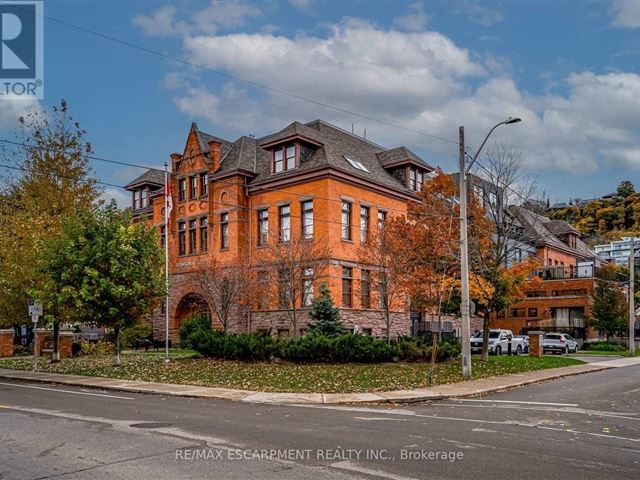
<point>356,164</point>
<point>285,158</point>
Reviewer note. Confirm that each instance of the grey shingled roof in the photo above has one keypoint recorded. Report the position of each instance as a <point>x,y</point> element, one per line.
<point>560,227</point>
<point>204,139</point>
<point>151,177</point>
<point>540,229</point>
<point>336,144</point>
<point>247,154</point>
<point>399,154</point>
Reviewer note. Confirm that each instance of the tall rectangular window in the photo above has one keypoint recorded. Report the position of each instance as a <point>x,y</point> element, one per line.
<point>263,227</point>
<point>346,221</point>
<point>182,238</point>
<point>307,219</point>
<point>192,236</point>
<point>284,292</point>
<point>347,286</point>
<point>307,287</point>
<point>204,234</point>
<point>412,178</point>
<point>419,181</point>
<point>382,218</point>
<point>224,230</point>
<point>365,289</point>
<point>204,184</point>
<point>193,187</point>
<point>278,160</point>
<point>284,220</point>
<point>135,198</point>
<point>290,157</point>
<point>182,189</point>
<point>263,289</point>
<point>364,224</point>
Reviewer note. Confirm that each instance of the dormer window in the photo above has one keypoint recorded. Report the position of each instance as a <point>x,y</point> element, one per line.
<point>141,199</point>
<point>416,179</point>
<point>285,158</point>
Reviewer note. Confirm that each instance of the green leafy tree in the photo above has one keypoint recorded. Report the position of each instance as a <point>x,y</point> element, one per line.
<point>626,188</point>
<point>325,315</point>
<point>102,268</point>
<point>609,306</point>
<point>50,178</point>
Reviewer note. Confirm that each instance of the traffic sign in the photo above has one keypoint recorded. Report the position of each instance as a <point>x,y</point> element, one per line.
<point>35,308</point>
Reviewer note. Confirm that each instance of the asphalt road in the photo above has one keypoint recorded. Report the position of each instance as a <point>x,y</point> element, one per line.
<point>583,427</point>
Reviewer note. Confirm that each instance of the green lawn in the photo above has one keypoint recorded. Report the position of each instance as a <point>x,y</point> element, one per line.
<point>623,353</point>
<point>186,368</point>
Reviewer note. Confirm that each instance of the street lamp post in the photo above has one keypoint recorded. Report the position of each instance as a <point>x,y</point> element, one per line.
<point>464,247</point>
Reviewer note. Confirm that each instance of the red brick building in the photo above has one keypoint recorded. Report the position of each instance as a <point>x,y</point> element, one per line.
<point>561,297</point>
<point>229,198</point>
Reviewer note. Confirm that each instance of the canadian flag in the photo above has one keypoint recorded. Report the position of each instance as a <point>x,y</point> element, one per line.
<point>167,194</point>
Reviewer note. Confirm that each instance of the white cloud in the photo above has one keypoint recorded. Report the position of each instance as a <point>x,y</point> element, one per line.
<point>421,80</point>
<point>481,13</point>
<point>626,14</point>
<point>356,66</point>
<point>12,107</point>
<point>122,197</point>
<point>217,15</point>
<point>415,20</point>
<point>301,4</point>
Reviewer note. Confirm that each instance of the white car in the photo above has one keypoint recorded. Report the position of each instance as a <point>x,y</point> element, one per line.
<point>498,342</point>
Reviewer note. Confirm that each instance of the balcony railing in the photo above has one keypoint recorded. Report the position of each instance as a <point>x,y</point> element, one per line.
<point>564,273</point>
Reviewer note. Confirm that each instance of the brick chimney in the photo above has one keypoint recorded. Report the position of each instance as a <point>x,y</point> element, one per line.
<point>175,160</point>
<point>214,155</point>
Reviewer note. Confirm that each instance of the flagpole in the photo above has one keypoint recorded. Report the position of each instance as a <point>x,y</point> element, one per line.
<point>167,193</point>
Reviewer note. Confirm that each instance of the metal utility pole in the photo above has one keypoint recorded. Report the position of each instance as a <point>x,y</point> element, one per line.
<point>464,246</point>
<point>464,265</point>
<point>632,306</point>
<point>168,205</point>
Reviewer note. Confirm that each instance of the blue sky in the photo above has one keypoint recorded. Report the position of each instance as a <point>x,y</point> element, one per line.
<point>569,69</point>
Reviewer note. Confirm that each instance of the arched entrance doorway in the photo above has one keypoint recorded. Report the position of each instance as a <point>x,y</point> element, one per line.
<point>191,304</point>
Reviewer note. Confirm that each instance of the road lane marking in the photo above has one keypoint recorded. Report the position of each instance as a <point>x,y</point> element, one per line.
<point>352,467</point>
<point>67,391</point>
<point>577,411</point>
<point>410,413</point>
<point>519,402</point>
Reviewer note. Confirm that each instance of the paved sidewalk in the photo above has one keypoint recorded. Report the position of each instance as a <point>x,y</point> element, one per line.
<point>454,390</point>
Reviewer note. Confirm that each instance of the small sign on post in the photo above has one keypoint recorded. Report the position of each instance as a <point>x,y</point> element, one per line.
<point>35,311</point>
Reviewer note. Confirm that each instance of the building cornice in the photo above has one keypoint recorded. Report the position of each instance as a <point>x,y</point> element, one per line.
<point>332,173</point>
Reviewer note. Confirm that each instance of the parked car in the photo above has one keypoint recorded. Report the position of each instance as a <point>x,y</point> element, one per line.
<point>525,342</point>
<point>498,342</point>
<point>559,343</point>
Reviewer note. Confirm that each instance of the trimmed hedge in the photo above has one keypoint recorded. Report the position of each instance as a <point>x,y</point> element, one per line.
<point>192,324</point>
<point>606,346</point>
<point>314,347</point>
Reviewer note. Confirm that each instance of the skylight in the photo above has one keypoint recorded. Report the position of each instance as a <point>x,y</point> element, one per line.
<point>356,164</point>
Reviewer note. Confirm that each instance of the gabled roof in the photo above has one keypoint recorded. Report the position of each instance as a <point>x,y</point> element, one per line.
<point>205,138</point>
<point>152,177</point>
<point>560,227</point>
<point>400,155</point>
<point>543,232</point>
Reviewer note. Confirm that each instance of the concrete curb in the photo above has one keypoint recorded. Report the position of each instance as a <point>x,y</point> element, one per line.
<point>455,390</point>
